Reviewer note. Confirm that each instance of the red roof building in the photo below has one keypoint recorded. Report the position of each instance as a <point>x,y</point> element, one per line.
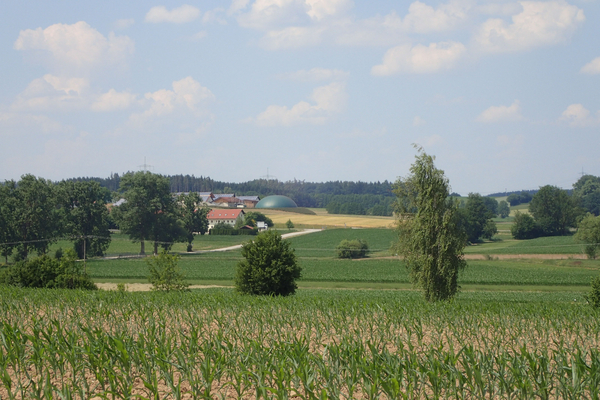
<point>225,215</point>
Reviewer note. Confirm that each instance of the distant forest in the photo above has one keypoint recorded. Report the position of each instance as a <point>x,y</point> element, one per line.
<point>339,197</point>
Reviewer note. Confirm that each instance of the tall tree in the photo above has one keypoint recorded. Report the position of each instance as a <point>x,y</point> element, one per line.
<point>476,217</point>
<point>148,210</point>
<point>36,219</point>
<point>554,210</point>
<point>430,239</point>
<point>193,216</point>
<point>86,216</point>
<point>588,232</point>
<point>503,209</point>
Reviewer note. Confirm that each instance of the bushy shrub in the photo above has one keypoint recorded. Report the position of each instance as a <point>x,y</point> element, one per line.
<point>594,296</point>
<point>164,272</point>
<point>524,227</point>
<point>356,248</point>
<point>269,267</point>
<point>47,272</point>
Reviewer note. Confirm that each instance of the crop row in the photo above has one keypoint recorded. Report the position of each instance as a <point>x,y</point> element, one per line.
<point>317,344</point>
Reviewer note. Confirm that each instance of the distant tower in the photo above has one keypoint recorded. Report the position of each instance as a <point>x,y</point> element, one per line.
<point>269,177</point>
<point>145,167</point>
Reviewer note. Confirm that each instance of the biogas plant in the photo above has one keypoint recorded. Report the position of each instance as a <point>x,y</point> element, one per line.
<point>276,201</point>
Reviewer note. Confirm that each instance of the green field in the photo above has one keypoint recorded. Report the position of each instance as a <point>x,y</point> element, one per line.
<point>317,256</point>
<point>334,344</point>
<point>519,328</point>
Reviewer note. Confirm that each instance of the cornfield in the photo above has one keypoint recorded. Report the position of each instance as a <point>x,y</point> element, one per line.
<point>315,345</point>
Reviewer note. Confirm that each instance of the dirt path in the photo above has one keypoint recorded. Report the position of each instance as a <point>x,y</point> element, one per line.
<point>239,246</point>
<point>145,287</point>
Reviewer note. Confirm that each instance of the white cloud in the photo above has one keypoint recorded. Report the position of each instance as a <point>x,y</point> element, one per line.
<point>502,113</point>
<point>237,6</point>
<point>422,18</point>
<point>320,9</point>
<point>579,116</point>
<point>113,100</point>
<point>124,23</point>
<point>420,59</point>
<point>53,93</point>
<point>538,24</point>
<point>292,37</point>
<point>418,121</point>
<point>187,94</point>
<point>593,67</point>
<point>179,15</point>
<point>77,46</point>
<point>269,14</point>
<point>328,101</point>
<point>316,75</point>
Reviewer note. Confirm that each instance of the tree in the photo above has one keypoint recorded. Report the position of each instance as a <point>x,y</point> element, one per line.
<point>148,211</point>
<point>86,216</point>
<point>524,227</point>
<point>476,218</point>
<point>258,216</point>
<point>269,266</point>
<point>357,248</point>
<point>588,232</point>
<point>503,209</point>
<point>47,272</point>
<point>430,239</point>
<point>164,273</point>
<point>36,220</point>
<point>587,190</point>
<point>289,224</point>
<point>492,205</point>
<point>553,210</point>
<point>194,218</point>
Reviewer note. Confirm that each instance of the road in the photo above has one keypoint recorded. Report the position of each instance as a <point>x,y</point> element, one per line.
<point>239,246</point>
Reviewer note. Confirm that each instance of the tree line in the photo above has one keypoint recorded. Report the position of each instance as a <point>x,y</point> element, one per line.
<point>374,197</point>
<point>35,213</point>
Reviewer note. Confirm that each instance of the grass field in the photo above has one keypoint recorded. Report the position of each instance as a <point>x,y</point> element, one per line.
<point>317,256</point>
<point>318,344</point>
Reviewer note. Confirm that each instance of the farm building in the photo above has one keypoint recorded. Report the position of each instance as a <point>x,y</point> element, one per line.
<point>227,216</point>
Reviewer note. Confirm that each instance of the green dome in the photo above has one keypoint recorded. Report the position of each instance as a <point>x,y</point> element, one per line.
<point>276,201</point>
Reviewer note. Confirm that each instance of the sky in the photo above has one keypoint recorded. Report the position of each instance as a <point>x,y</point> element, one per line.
<point>505,94</point>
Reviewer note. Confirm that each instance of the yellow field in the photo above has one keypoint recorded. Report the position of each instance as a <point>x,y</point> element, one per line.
<point>322,218</point>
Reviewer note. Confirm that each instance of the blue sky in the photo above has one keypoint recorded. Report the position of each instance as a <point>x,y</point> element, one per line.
<point>505,94</point>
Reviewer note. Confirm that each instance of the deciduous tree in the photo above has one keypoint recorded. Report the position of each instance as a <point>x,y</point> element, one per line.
<point>430,239</point>
<point>553,210</point>
<point>588,232</point>
<point>85,216</point>
<point>269,266</point>
<point>193,216</point>
<point>36,219</point>
<point>148,212</point>
<point>503,209</point>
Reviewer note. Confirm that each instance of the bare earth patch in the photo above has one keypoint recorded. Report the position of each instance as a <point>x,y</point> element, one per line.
<point>144,287</point>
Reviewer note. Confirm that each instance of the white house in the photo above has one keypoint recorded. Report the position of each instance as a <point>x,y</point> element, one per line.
<point>225,215</point>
